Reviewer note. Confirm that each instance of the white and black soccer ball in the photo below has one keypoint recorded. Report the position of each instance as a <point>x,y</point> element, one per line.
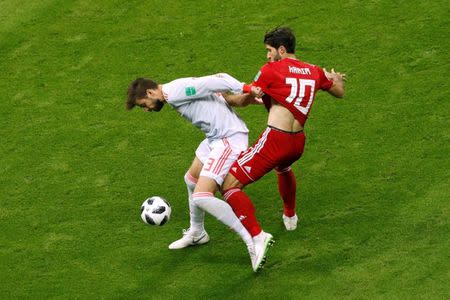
<point>155,211</point>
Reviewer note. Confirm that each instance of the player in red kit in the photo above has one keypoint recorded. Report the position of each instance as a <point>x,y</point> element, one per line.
<point>290,86</point>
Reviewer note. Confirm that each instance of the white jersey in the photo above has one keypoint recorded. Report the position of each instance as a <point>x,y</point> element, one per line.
<point>199,100</point>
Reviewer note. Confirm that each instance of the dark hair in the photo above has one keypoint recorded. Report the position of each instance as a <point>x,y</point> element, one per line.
<point>138,90</point>
<point>281,36</point>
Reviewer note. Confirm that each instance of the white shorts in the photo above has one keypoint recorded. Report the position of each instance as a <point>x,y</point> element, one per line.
<point>217,156</point>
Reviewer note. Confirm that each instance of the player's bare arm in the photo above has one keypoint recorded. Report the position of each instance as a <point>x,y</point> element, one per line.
<point>338,88</point>
<point>241,100</point>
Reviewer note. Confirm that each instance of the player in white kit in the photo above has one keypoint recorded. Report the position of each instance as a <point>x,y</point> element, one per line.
<point>205,102</point>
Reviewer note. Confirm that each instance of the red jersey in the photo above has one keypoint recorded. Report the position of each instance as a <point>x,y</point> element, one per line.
<point>293,84</point>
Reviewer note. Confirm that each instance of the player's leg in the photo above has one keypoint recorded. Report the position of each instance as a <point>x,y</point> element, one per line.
<point>241,204</point>
<point>287,184</point>
<point>245,210</point>
<point>197,216</point>
<point>203,197</point>
<point>195,234</point>
<point>215,166</point>
<point>223,153</point>
<point>221,158</point>
<point>249,167</point>
<point>287,187</point>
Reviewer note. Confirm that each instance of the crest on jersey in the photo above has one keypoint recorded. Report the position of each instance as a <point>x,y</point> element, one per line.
<point>257,76</point>
<point>190,91</point>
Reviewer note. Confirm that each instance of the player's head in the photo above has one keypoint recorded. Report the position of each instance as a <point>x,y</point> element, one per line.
<point>145,93</point>
<point>279,42</point>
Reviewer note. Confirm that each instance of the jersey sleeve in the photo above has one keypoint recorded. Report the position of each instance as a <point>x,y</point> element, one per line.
<point>189,89</point>
<point>217,83</point>
<point>324,82</point>
<point>261,78</point>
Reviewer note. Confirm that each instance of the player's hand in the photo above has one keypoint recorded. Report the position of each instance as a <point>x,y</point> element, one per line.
<point>335,76</point>
<point>257,92</point>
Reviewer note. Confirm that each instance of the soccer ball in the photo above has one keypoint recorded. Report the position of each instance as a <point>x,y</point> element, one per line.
<point>155,211</point>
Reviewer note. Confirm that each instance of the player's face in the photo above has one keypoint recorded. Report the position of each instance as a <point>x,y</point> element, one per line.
<point>272,54</point>
<point>149,104</point>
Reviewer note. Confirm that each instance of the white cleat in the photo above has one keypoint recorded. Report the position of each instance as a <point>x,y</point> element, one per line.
<point>251,251</point>
<point>290,222</point>
<point>189,239</point>
<point>262,243</point>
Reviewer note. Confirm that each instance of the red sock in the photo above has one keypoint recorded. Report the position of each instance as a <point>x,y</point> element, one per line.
<point>287,187</point>
<point>244,209</point>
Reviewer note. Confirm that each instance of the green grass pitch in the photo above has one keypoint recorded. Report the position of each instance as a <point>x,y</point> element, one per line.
<point>373,184</point>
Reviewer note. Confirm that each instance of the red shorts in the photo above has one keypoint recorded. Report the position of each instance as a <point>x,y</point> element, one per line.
<point>275,149</point>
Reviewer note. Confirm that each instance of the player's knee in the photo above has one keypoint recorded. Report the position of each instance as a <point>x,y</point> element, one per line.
<point>206,185</point>
<point>283,170</point>
<point>199,198</point>
<point>189,179</point>
<point>226,193</point>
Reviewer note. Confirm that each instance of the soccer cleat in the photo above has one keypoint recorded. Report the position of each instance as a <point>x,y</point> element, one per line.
<point>290,222</point>
<point>262,243</point>
<point>251,251</point>
<point>189,239</point>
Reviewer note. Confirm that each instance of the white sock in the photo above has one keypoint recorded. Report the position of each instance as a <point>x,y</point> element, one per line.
<point>259,236</point>
<point>197,216</point>
<point>223,212</point>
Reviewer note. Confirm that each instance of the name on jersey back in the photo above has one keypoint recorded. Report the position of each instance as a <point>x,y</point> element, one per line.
<point>303,71</point>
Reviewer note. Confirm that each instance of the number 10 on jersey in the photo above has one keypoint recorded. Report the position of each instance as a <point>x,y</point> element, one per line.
<point>298,89</point>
